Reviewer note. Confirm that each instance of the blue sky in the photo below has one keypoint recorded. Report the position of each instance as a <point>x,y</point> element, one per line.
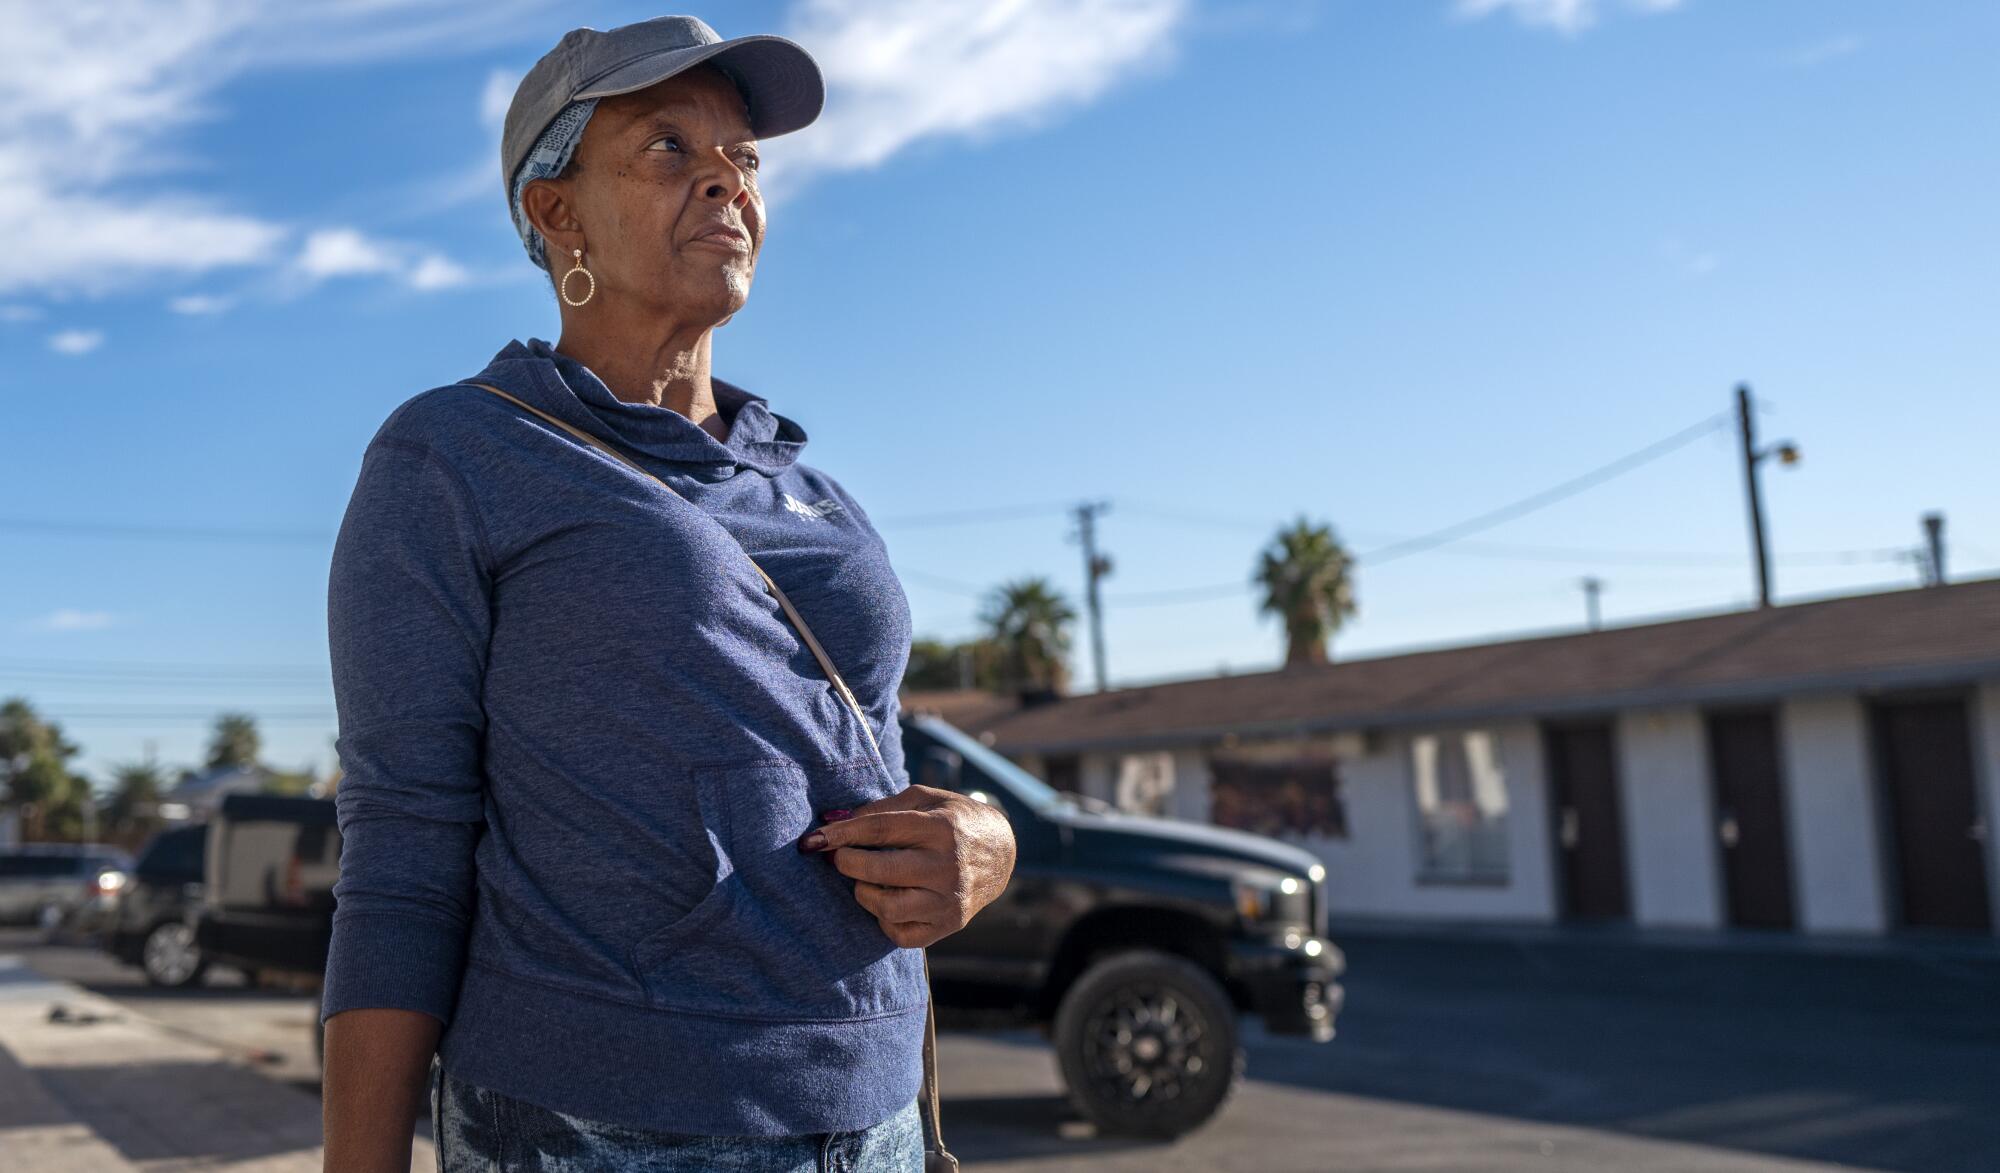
<point>1387,264</point>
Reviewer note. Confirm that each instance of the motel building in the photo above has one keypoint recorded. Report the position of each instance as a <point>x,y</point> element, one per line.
<point>1825,767</point>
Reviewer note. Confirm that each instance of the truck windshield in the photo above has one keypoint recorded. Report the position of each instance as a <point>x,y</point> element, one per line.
<point>1029,789</point>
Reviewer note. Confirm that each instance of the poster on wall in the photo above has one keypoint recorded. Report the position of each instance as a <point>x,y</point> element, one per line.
<point>1145,784</point>
<point>1283,791</point>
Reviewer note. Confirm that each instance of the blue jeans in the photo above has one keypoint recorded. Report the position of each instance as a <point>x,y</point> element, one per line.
<point>480,1130</point>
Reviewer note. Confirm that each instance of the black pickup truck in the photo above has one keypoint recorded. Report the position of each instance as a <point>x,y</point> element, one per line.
<point>1132,942</point>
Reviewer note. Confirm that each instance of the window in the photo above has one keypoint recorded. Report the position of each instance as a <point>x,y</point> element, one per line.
<point>176,854</point>
<point>1145,783</point>
<point>1296,794</point>
<point>1461,808</point>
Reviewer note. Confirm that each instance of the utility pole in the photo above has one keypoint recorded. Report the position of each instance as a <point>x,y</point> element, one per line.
<point>1787,454</point>
<point>1934,542</point>
<point>1591,588</point>
<point>1095,567</point>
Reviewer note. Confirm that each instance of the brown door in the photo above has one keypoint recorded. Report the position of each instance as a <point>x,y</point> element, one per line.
<point>1924,754</point>
<point>1750,818</point>
<point>1590,834</point>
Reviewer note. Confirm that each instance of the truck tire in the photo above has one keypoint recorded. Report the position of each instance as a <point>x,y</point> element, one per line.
<point>170,957</point>
<point>1148,1044</point>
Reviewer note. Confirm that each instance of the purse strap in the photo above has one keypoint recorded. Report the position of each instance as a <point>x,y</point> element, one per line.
<point>936,1158</point>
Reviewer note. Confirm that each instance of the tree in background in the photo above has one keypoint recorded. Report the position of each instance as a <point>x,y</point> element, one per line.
<point>294,782</point>
<point>937,664</point>
<point>1307,580</point>
<point>235,741</point>
<point>132,812</point>
<point>55,804</point>
<point>1028,625</point>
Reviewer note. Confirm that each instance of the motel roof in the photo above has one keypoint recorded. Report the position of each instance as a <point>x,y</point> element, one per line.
<point>1945,636</point>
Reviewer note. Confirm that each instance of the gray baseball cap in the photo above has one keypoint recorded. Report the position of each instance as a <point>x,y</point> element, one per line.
<point>780,81</point>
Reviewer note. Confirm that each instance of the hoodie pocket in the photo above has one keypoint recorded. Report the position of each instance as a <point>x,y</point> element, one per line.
<point>780,935</point>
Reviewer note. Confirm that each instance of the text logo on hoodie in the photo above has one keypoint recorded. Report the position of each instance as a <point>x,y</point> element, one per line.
<point>818,510</point>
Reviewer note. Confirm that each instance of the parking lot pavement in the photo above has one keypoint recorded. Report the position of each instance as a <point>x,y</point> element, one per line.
<point>1569,1053</point>
<point>92,1084</point>
<point>1567,1050</point>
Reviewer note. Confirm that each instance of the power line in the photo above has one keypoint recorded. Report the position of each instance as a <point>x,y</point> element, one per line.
<point>1180,594</point>
<point>1508,551</point>
<point>942,582</point>
<point>107,529</point>
<point>964,516</point>
<point>154,672</point>
<point>185,713</point>
<point>1546,497</point>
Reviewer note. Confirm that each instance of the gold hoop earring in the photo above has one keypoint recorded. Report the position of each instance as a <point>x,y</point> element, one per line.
<point>562,287</point>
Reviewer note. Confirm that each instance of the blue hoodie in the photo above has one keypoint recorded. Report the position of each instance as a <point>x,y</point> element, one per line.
<point>580,742</point>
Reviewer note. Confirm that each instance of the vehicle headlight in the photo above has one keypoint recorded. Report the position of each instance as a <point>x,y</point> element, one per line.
<point>1252,900</point>
<point>1268,897</point>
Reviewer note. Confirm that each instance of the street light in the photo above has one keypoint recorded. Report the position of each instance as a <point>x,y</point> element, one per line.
<point>1788,455</point>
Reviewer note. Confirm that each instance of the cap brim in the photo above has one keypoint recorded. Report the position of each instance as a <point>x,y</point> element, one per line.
<point>780,81</point>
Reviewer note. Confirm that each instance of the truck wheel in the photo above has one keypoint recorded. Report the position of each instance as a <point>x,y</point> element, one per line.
<point>170,956</point>
<point>1148,1044</point>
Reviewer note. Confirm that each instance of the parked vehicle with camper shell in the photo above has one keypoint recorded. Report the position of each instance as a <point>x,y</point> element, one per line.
<point>1133,943</point>
<point>152,920</point>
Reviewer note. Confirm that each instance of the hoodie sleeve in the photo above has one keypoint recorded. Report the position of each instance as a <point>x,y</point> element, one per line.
<point>408,620</point>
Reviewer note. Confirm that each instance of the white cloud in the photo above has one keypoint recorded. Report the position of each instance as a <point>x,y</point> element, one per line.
<point>479,178</point>
<point>19,313</point>
<point>348,252</point>
<point>76,341</point>
<point>1691,262</point>
<point>436,272</point>
<point>494,98</point>
<point>1821,52</point>
<point>343,252</point>
<point>70,619</point>
<point>902,71</point>
<point>1565,16</point>
<point>91,92</point>
<point>199,303</point>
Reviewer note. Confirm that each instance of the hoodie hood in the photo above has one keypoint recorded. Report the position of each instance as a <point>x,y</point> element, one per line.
<point>759,439</point>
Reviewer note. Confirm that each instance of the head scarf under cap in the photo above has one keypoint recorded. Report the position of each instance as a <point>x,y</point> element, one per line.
<point>546,160</point>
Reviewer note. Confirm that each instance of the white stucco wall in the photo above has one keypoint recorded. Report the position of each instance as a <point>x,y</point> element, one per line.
<point>1664,796</point>
<point>1374,871</point>
<point>1097,775</point>
<point>1192,786</point>
<point>1837,863</point>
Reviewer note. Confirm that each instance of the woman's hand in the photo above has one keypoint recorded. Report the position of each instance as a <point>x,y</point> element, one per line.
<point>923,861</point>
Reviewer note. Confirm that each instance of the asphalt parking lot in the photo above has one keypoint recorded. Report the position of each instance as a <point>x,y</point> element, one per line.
<point>1557,1052</point>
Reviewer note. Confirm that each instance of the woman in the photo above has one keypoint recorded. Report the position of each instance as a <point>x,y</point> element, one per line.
<point>616,848</point>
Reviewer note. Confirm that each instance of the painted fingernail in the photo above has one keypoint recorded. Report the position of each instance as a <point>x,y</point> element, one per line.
<point>814,841</point>
<point>834,816</point>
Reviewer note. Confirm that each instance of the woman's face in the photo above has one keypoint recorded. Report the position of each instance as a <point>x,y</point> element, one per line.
<point>664,199</point>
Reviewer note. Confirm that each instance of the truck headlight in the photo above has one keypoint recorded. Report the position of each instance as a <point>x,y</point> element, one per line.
<point>1267,897</point>
<point>1252,900</point>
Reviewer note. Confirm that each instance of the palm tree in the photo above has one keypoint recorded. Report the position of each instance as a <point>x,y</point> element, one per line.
<point>135,798</point>
<point>1307,580</point>
<point>35,777</point>
<point>1028,625</point>
<point>235,741</point>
